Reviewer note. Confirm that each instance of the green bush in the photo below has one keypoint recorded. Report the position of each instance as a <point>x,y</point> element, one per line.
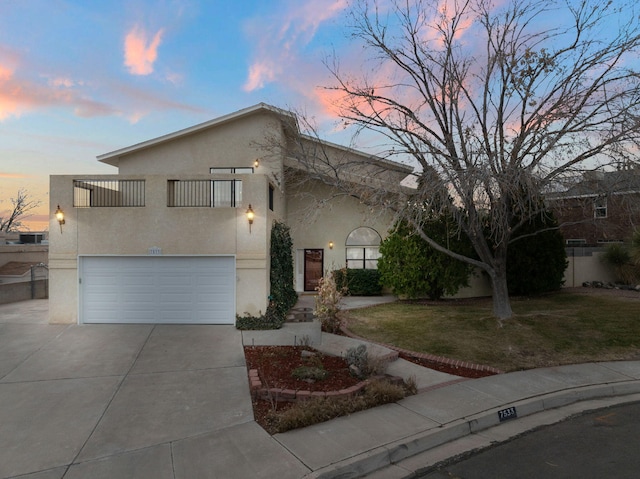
<point>625,259</point>
<point>409,266</point>
<point>283,295</point>
<point>358,282</point>
<point>536,261</point>
<point>271,319</point>
<point>313,373</point>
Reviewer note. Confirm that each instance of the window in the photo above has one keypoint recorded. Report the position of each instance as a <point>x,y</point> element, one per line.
<point>231,171</point>
<point>600,207</point>
<point>226,193</point>
<point>363,248</point>
<point>576,242</point>
<point>271,197</point>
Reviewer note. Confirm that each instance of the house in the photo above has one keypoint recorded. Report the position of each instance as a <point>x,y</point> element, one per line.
<point>23,266</point>
<point>601,208</point>
<point>168,238</point>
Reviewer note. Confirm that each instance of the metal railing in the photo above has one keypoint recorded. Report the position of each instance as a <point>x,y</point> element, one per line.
<point>204,193</point>
<point>108,193</point>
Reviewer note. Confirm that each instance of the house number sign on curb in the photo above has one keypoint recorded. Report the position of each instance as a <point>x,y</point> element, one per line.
<point>506,414</point>
<point>155,251</point>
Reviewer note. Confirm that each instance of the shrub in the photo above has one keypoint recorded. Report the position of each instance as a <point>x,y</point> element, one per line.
<point>283,295</point>
<point>359,282</point>
<point>310,372</point>
<point>313,411</point>
<point>358,358</point>
<point>536,261</point>
<point>625,259</point>
<point>326,310</point>
<point>409,266</point>
<point>361,364</point>
<point>271,319</point>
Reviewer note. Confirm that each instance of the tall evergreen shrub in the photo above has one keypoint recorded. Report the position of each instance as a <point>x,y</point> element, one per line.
<point>536,261</point>
<point>283,294</point>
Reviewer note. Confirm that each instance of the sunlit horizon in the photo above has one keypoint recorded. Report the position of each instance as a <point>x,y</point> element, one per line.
<point>79,80</point>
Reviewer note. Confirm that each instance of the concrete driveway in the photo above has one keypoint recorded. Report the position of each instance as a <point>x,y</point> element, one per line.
<point>157,401</point>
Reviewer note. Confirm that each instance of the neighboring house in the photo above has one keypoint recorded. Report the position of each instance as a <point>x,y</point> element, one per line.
<point>167,239</point>
<point>602,208</point>
<point>23,266</point>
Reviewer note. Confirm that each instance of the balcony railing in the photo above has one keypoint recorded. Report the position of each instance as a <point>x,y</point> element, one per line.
<point>204,193</point>
<point>108,193</point>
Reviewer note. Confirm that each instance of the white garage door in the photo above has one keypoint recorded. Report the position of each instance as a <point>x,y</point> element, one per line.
<point>157,289</point>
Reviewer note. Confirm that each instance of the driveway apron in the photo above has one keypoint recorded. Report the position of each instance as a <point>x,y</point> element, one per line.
<point>105,398</point>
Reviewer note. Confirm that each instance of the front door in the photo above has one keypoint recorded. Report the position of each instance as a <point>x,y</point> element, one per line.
<point>313,267</point>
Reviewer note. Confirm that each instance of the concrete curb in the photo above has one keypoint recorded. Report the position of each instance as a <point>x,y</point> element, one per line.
<point>395,452</point>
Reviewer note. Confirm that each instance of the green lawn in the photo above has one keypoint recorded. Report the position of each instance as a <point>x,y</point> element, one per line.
<point>561,328</point>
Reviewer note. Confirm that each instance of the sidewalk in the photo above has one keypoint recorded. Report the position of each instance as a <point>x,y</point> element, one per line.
<point>173,402</point>
<point>451,415</point>
<point>398,440</point>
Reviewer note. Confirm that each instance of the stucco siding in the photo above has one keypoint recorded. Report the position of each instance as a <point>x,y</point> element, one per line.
<point>156,228</point>
<point>314,225</point>
<point>234,144</point>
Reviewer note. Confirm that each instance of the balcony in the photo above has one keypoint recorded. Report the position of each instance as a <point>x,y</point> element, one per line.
<point>108,193</point>
<point>187,193</point>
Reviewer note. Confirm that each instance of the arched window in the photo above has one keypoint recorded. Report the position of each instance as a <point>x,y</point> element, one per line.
<point>363,248</point>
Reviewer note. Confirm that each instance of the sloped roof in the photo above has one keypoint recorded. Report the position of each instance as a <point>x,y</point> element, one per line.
<point>112,158</point>
<point>605,183</point>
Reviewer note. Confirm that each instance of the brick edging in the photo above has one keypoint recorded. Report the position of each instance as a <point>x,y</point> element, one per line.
<point>456,363</point>
<point>291,395</point>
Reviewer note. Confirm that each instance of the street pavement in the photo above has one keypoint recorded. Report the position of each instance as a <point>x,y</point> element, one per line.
<point>602,443</point>
<point>173,401</point>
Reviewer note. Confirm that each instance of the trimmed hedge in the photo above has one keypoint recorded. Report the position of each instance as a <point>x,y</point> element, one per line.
<point>358,282</point>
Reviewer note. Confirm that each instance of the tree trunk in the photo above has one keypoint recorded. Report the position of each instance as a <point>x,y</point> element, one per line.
<point>501,303</point>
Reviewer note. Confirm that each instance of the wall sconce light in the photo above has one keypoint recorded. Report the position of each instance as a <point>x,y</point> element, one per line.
<point>256,163</point>
<point>250,216</point>
<point>330,244</point>
<point>60,217</point>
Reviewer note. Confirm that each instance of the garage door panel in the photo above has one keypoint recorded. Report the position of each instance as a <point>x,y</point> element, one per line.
<point>157,289</point>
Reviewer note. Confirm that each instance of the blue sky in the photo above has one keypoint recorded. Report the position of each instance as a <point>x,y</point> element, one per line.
<point>80,78</point>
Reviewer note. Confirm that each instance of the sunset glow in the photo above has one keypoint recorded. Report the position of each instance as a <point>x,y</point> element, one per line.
<point>79,79</point>
<point>87,78</point>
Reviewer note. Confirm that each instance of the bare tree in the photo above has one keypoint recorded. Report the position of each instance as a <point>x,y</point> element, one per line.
<point>22,203</point>
<point>496,104</point>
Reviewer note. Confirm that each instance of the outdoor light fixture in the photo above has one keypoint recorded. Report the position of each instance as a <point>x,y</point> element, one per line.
<point>60,217</point>
<point>256,163</point>
<point>330,244</point>
<point>250,216</point>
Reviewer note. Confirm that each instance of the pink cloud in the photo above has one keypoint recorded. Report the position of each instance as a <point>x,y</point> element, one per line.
<point>260,73</point>
<point>280,42</point>
<point>18,95</point>
<point>140,53</point>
